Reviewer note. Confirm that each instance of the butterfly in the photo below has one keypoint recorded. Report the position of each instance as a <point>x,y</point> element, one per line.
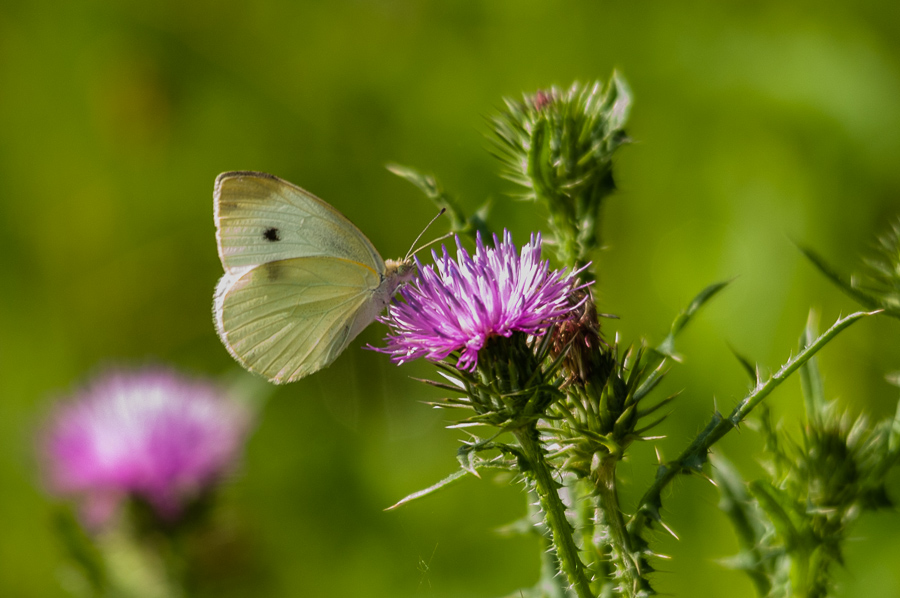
<point>301,281</point>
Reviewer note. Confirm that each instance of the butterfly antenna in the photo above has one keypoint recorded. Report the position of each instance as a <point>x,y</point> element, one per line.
<point>412,251</point>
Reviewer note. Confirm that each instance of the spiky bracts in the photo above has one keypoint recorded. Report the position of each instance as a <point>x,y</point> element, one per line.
<point>591,430</point>
<point>558,145</point>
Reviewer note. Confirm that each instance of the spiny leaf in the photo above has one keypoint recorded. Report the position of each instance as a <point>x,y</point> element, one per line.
<point>834,276</point>
<point>735,503</point>
<point>666,349</point>
<point>699,301</point>
<point>449,480</point>
<point>748,365</point>
<point>810,379</point>
<point>428,185</point>
<point>778,506</point>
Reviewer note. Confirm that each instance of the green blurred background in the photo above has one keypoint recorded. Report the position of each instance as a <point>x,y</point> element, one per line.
<point>755,124</point>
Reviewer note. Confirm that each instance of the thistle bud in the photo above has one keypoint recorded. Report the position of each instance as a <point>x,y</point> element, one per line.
<point>558,145</point>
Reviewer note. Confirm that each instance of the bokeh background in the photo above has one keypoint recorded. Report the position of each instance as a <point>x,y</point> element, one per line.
<point>756,124</point>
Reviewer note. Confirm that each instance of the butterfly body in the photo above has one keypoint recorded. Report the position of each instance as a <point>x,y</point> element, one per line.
<point>301,281</point>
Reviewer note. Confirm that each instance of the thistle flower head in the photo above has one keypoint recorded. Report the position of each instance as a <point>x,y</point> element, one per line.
<point>557,145</point>
<point>151,434</point>
<point>457,305</point>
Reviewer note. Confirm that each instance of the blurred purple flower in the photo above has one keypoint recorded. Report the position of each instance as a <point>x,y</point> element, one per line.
<point>458,305</point>
<point>150,433</point>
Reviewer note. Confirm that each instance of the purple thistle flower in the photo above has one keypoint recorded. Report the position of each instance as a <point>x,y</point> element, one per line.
<point>151,433</point>
<point>459,305</point>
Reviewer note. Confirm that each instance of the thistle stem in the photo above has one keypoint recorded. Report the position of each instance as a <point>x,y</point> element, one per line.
<point>624,555</point>
<point>552,584</point>
<point>695,455</point>
<point>561,531</point>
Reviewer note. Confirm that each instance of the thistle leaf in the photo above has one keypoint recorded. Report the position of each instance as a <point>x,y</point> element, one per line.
<point>429,185</point>
<point>699,301</point>
<point>748,365</point>
<point>449,481</point>
<point>735,503</point>
<point>834,276</point>
<point>778,506</point>
<point>655,358</point>
<point>810,379</point>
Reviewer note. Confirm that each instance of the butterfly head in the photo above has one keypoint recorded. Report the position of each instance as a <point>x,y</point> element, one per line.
<point>400,270</point>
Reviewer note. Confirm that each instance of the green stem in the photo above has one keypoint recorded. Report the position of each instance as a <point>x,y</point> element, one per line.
<point>136,568</point>
<point>593,557</point>
<point>626,558</point>
<point>695,454</point>
<point>551,584</point>
<point>561,531</point>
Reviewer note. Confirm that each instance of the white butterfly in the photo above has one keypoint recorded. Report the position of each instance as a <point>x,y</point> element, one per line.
<point>301,281</point>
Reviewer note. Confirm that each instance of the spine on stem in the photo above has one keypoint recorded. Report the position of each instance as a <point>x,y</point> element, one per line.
<point>561,531</point>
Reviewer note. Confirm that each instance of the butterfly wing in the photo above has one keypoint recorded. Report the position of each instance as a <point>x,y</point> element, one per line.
<point>261,218</point>
<point>289,318</point>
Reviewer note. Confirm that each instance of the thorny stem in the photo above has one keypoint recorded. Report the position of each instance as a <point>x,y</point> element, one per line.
<point>552,585</point>
<point>695,454</point>
<point>594,558</point>
<point>554,510</point>
<point>624,555</point>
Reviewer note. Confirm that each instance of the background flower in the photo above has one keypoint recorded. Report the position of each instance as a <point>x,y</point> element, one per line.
<point>152,434</point>
<point>458,305</point>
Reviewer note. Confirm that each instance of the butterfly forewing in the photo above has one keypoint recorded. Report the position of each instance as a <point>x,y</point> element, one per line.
<point>288,318</point>
<point>261,218</point>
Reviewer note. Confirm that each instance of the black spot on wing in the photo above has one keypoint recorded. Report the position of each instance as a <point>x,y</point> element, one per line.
<point>271,234</point>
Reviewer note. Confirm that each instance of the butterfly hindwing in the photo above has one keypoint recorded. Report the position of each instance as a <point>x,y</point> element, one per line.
<point>288,318</point>
<point>261,218</point>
